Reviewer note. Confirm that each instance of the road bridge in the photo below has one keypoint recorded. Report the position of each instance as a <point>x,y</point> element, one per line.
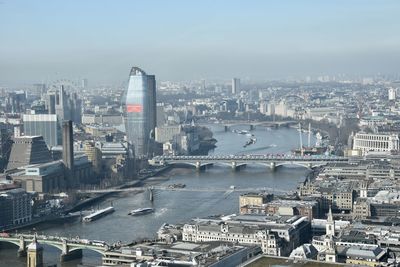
<point>253,124</point>
<point>236,162</point>
<point>70,248</point>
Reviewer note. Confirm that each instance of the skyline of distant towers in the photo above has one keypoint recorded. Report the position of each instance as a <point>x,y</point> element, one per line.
<point>140,109</point>
<point>67,106</point>
<point>235,86</point>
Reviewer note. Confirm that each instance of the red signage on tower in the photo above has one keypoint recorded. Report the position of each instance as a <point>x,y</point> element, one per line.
<point>134,108</point>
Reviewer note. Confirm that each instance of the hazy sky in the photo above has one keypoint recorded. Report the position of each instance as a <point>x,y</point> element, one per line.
<point>181,40</point>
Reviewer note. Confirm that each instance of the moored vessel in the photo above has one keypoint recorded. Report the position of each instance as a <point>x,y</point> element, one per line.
<point>98,214</point>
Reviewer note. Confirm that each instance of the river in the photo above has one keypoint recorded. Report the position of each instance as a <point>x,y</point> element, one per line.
<point>175,206</point>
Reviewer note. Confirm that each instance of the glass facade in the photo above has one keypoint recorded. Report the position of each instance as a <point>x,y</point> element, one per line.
<point>140,109</point>
<point>46,125</point>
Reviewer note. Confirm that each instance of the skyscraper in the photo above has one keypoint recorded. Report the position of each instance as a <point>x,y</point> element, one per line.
<point>67,106</point>
<point>235,85</point>
<point>392,93</point>
<point>84,83</point>
<point>141,112</point>
<point>61,105</point>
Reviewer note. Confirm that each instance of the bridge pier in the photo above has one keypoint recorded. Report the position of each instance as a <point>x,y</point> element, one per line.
<point>238,167</point>
<point>151,195</point>
<point>22,247</point>
<point>272,166</point>
<point>73,255</point>
<point>198,166</point>
<point>202,167</point>
<point>67,255</point>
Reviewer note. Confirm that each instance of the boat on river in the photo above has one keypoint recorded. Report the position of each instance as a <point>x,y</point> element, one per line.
<point>98,214</point>
<point>141,211</point>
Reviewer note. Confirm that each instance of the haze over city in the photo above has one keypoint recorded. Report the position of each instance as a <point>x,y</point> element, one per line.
<point>182,40</point>
<point>215,133</point>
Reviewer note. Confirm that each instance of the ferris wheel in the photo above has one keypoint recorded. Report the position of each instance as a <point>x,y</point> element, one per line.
<point>69,86</point>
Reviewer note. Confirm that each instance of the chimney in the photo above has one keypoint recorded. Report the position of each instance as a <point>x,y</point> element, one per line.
<point>68,149</point>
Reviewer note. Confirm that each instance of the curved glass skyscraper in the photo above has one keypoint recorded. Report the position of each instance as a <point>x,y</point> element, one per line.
<point>140,108</point>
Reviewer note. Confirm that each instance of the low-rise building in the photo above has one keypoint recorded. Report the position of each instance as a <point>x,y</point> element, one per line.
<point>304,252</point>
<point>213,254</point>
<point>333,192</point>
<point>310,209</point>
<point>50,177</point>
<point>276,235</point>
<point>254,199</point>
<point>364,255</point>
<point>376,143</point>
<point>166,133</point>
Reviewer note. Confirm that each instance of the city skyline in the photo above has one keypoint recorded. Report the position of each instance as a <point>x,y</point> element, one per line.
<point>247,133</point>
<point>43,41</point>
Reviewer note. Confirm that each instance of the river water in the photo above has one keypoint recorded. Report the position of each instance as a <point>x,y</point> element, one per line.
<point>175,206</point>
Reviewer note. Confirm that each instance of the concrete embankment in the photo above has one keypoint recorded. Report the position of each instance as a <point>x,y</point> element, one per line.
<point>85,203</point>
<point>92,200</point>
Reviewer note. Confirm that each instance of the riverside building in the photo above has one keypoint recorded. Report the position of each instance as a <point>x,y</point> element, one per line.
<point>15,207</point>
<point>375,143</point>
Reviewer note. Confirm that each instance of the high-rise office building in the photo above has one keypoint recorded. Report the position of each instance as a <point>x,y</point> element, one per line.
<point>84,83</point>
<point>160,114</point>
<point>61,105</point>
<point>5,145</point>
<point>235,86</point>
<point>46,125</point>
<point>392,93</point>
<point>39,88</point>
<point>65,106</point>
<point>141,112</point>
<point>75,108</point>
<point>15,102</point>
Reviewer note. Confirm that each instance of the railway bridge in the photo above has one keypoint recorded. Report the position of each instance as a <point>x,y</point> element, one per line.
<point>70,248</point>
<point>253,124</point>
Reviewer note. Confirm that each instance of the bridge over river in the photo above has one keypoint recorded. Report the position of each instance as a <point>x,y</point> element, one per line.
<point>186,189</point>
<point>71,248</point>
<point>236,162</point>
<point>253,124</point>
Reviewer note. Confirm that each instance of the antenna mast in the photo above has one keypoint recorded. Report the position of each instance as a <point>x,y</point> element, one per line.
<point>301,139</point>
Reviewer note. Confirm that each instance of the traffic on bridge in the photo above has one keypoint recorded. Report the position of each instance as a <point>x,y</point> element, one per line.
<point>276,157</point>
<point>71,248</point>
<point>238,161</point>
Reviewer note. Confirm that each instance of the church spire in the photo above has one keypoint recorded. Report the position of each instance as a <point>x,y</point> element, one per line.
<point>330,224</point>
<point>330,216</point>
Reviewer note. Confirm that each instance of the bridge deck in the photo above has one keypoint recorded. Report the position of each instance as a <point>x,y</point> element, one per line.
<point>166,188</point>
